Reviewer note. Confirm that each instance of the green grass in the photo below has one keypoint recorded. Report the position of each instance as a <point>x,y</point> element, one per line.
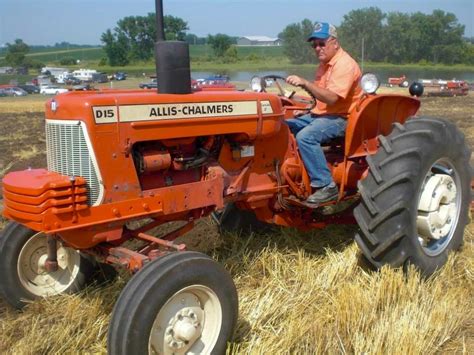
<point>81,53</point>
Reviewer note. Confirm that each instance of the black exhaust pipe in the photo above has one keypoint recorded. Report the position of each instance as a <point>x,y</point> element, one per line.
<point>173,69</point>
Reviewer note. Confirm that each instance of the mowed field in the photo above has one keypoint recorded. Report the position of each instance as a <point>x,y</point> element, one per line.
<point>300,293</point>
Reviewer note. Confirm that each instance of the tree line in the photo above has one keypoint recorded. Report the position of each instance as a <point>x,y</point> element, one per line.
<point>133,39</point>
<point>393,37</point>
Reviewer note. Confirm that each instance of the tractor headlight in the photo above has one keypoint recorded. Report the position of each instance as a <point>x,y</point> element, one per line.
<point>257,84</point>
<point>369,83</point>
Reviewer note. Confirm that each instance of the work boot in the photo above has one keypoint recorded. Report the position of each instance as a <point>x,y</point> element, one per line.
<point>324,194</point>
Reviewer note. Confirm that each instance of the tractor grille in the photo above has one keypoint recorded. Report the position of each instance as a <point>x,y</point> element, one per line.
<point>69,153</point>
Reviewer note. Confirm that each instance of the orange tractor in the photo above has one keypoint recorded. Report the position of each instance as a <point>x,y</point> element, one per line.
<point>117,156</point>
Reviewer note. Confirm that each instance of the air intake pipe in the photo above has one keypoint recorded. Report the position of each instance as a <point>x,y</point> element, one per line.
<point>173,70</point>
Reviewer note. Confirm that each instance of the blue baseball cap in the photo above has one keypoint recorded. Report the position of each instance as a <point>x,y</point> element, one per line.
<point>323,30</point>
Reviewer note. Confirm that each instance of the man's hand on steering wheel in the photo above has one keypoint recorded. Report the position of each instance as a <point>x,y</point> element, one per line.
<point>310,102</point>
<point>295,80</point>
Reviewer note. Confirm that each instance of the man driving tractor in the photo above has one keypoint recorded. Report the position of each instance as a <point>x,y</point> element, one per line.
<point>336,88</point>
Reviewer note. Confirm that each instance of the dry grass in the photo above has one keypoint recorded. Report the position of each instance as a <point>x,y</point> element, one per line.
<point>299,293</point>
<point>26,104</point>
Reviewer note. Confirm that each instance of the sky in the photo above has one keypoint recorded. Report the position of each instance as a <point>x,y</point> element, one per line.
<point>46,22</point>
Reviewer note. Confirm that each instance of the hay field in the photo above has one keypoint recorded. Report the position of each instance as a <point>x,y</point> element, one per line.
<point>300,293</point>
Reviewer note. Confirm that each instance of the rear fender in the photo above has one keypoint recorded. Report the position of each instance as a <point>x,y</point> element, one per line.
<point>374,116</point>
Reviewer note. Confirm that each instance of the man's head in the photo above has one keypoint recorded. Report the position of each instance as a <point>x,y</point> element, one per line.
<point>324,41</point>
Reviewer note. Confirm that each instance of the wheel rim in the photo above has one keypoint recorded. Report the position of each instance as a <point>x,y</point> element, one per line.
<point>439,207</point>
<point>32,272</point>
<point>189,322</point>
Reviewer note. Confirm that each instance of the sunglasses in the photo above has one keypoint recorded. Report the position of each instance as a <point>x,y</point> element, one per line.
<point>320,44</point>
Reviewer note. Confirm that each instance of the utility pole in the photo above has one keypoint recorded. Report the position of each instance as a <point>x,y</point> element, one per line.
<point>362,56</point>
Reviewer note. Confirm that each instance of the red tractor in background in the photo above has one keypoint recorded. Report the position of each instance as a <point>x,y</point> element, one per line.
<point>116,156</point>
<point>398,81</point>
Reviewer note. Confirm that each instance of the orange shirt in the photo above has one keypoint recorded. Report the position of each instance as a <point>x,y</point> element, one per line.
<point>341,75</point>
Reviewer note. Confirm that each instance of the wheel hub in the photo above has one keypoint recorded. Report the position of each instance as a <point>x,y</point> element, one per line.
<point>437,207</point>
<point>184,329</point>
<point>189,322</point>
<point>33,273</point>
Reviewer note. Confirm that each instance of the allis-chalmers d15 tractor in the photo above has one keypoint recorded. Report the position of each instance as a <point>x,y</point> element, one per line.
<point>176,155</point>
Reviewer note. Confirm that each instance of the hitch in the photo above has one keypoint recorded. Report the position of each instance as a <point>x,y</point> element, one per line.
<point>134,260</point>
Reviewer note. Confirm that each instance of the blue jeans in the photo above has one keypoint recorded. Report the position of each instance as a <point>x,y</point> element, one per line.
<point>310,132</point>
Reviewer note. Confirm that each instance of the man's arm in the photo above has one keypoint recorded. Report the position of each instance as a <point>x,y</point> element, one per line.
<point>327,96</point>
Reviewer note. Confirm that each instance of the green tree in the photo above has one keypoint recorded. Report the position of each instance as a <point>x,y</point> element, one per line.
<point>445,37</point>
<point>116,48</point>
<point>16,53</point>
<point>140,33</point>
<point>400,39</point>
<point>220,43</point>
<point>175,28</point>
<point>295,45</point>
<point>231,55</point>
<point>363,25</point>
<point>468,54</point>
<point>134,37</point>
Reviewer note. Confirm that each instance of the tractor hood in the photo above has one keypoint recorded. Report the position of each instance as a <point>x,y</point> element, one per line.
<point>113,106</point>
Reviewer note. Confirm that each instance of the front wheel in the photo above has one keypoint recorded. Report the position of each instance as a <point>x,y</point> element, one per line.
<point>181,303</point>
<point>23,253</point>
<point>416,197</point>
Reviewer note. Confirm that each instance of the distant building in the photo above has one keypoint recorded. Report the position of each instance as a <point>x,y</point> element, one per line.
<point>258,41</point>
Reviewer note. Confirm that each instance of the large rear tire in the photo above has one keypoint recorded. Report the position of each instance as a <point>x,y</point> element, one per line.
<point>181,303</point>
<point>23,253</point>
<point>416,197</point>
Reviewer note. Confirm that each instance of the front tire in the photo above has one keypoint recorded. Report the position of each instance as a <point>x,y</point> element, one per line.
<point>416,197</point>
<point>182,302</point>
<point>24,278</point>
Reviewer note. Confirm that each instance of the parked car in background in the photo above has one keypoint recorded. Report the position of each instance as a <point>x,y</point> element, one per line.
<point>120,76</point>
<point>151,85</point>
<point>15,91</point>
<point>30,88</point>
<point>71,80</point>
<point>2,92</point>
<point>99,78</point>
<point>52,90</point>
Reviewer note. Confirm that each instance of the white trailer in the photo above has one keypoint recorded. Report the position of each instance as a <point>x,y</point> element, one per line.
<point>84,74</point>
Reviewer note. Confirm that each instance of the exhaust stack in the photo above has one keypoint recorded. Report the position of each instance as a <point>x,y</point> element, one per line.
<point>173,70</point>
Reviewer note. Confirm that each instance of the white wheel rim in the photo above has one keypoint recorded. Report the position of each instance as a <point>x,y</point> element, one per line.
<point>31,267</point>
<point>438,207</point>
<point>188,323</point>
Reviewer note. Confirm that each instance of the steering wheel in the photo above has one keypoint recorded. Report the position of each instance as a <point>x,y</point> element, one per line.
<point>310,103</point>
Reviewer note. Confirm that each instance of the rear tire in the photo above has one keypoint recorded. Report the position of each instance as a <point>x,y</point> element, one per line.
<point>416,197</point>
<point>22,255</point>
<point>181,302</point>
